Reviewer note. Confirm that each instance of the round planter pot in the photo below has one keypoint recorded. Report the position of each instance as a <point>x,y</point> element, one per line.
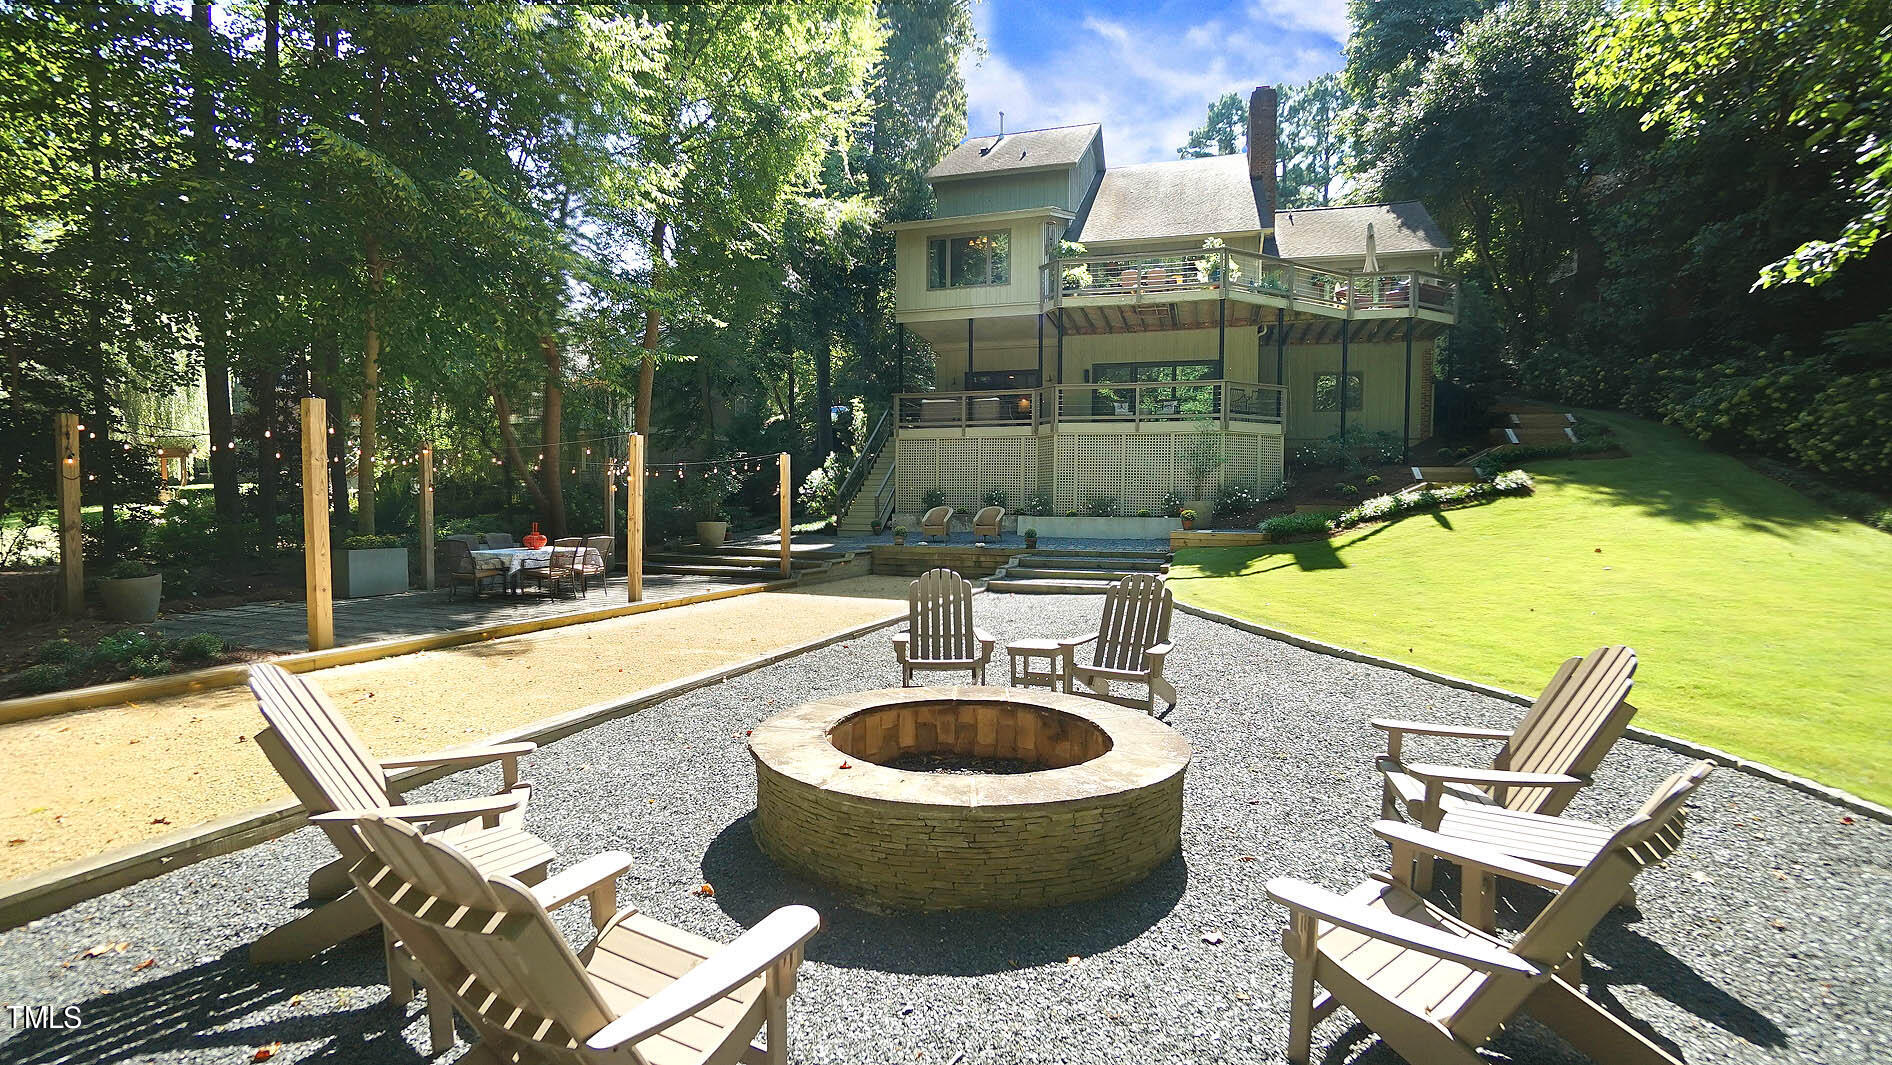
<point>131,599</point>
<point>711,533</point>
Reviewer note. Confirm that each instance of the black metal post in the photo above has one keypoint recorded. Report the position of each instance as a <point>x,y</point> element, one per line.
<point>965,383</point>
<point>1345,329</point>
<point>1405,433</point>
<point>1041,347</point>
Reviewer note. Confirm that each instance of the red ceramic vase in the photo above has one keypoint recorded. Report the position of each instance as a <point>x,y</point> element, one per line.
<point>534,539</point>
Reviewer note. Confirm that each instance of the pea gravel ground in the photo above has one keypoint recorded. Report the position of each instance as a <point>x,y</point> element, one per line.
<point>1767,939</point>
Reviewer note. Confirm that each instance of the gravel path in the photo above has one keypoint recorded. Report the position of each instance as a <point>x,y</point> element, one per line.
<point>1768,938</point>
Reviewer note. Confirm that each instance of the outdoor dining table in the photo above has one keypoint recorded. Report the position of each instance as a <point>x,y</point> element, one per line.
<point>515,558</point>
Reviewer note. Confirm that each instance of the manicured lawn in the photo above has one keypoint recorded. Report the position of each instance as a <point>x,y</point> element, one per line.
<point>1763,623</point>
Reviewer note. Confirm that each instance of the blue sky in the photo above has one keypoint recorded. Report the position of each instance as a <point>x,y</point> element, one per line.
<point>1146,70</point>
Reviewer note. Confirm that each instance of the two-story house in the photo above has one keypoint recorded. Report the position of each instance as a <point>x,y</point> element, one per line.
<point>1193,306</point>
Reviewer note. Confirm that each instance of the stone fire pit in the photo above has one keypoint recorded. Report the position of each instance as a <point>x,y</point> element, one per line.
<point>1098,807</point>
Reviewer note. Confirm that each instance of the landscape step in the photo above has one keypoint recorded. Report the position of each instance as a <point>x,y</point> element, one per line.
<point>1047,587</point>
<point>1141,565</point>
<point>1039,573</point>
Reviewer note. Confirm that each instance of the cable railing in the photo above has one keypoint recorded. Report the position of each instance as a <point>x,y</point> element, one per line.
<point>1211,273</point>
<point>1135,403</point>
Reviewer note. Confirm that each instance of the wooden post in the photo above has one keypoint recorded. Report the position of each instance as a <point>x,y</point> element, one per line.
<point>318,577</point>
<point>634,519</point>
<point>71,536</point>
<point>1405,431</point>
<point>610,506</point>
<point>427,516</point>
<point>781,463</point>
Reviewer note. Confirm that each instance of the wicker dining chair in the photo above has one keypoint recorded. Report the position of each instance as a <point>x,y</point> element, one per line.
<point>558,571</point>
<point>453,559</point>
<point>605,546</point>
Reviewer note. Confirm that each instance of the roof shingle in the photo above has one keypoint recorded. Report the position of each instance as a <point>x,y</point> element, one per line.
<point>1324,232</point>
<point>1030,149</point>
<point>1172,199</point>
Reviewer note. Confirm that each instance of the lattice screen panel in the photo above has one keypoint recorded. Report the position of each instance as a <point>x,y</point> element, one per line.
<point>964,468</point>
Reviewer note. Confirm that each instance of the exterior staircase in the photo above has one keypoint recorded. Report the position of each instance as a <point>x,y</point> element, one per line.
<point>858,518</point>
<point>1064,572</point>
<point>746,565</point>
<point>1531,424</point>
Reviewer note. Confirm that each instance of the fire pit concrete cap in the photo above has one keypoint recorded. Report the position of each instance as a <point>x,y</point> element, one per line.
<point>798,744</point>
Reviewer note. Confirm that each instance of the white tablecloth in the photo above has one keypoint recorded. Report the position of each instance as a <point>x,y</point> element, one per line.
<point>514,558</point>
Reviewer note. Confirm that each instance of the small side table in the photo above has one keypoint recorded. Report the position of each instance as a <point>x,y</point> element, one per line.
<point>1022,652</point>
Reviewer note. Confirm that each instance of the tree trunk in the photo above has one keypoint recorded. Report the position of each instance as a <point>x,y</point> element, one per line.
<point>653,319</point>
<point>502,411</point>
<point>824,396</point>
<point>326,348</point>
<point>212,317</point>
<point>551,457</point>
<point>95,302</point>
<point>370,391</point>
<point>263,389</point>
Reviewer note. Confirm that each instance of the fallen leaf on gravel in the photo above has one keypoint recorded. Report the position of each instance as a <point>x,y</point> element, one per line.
<point>1847,820</point>
<point>1073,960</point>
<point>1246,858</point>
<point>705,890</point>
<point>1780,875</point>
<point>15,842</point>
<point>1779,924</point>
<point>847,765</point>
<point>295,1000</point>
<point>143,965</point>
<point>105,948</point>
<point>264,1053</point>
<point>1213,939</point>
<point>160,820</point>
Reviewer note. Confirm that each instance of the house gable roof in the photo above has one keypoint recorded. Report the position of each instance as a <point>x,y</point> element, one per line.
<point>1026,150</point>
<point>1339,232</point>
<point>1186,197</point>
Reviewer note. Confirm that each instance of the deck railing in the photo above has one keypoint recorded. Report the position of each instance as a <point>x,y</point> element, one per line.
<point>1209,273</point>
<point>1130,403</point>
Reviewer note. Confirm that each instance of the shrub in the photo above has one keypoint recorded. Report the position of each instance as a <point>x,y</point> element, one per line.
<point>1860,506</point>
<point>1144,513</point>
<point>148,666</point>
<point>126,571</point>
<point>1283,526</point>
<point>899,530</point>
<point>1511,456</point>
<point>1070,513</point>
<point>1372,479</point>
<point>198,647</point>
<point>1036,504</point>
<point>1171,505</point>
<point>1231,499</point>
<point>1031,534</point>
<point>128,644</point>
<point>1100,506</point>
<point>59,652</point>
<point>1344,489</point>
<point>996,497</point>
<point>932,497</point>
<point>820,494</point>
<point>1274,493</point>
<point>45,677</point>
<point>371,542</point>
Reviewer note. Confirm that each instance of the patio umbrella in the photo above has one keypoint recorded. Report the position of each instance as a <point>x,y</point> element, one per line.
<point>1372,252</point>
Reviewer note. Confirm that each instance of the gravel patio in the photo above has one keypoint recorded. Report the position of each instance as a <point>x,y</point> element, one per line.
<point>1767,939</point>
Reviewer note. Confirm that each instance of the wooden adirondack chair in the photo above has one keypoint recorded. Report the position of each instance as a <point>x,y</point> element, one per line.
<point>1483,840</point>
<point>1545,760</point>
<point>328,769</point>
<point>940,634</point>
<point>1132,643</point>
<point>937,522</point>
<point>641,993</point>
<point>1435,988</point>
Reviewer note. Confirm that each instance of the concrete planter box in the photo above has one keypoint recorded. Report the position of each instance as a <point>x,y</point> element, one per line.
<point>131,598</point>
<point>370,571</point>
<point>1104,528</point>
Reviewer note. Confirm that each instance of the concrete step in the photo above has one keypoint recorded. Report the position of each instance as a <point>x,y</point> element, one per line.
<point>1443,474</point>
<point>1545,435</point>
<point>1064,586</point>
<point>1539,420</point>
<point>1039,573</point>
<point>1113,564</point>
<point>1067,552</point>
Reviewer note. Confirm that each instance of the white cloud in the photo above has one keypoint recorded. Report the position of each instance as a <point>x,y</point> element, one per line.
<point>1147,75</point>
<point>1325,17</point>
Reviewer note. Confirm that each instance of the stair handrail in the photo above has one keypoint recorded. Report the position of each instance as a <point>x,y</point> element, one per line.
<point>863,463</point>
<point>883,500</point>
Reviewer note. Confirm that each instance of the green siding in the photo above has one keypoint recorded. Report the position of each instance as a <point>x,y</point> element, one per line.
<point>1011,192</point>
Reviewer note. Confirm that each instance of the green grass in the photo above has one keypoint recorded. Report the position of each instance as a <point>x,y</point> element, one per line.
<point>1763,622</point>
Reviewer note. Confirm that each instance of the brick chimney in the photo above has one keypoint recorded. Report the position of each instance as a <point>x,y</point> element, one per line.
<point>1262,165</point>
